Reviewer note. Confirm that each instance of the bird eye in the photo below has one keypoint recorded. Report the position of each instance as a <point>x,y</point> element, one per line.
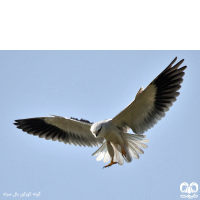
<point>99,130</point>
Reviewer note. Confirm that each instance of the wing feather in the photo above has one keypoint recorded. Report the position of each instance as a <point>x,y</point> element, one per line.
<point>151,104</point>
<point>69,131</point>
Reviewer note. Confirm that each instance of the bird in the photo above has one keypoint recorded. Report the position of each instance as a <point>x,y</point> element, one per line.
<point>112,135</point>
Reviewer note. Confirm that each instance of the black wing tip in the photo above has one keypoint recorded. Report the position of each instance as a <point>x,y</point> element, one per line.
<point>18,122</point>
<point>179,63</point>
<point>167,84</point>
<point>21,122</point>
<point>173,61</point>
<point>33,118</point>
<point>176,59</point>
<point>171,65</point>
<point>184,67</point>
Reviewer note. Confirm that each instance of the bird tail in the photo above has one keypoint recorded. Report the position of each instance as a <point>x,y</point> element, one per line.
<point>132,146</point>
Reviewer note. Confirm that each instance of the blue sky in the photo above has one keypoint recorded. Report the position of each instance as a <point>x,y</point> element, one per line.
<point>95,85</point>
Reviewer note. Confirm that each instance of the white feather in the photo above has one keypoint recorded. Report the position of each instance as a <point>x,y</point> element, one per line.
<point>100,156</point>
<point>106,157</point>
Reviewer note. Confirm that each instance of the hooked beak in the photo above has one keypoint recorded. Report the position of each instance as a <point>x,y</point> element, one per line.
<point>96,133</point>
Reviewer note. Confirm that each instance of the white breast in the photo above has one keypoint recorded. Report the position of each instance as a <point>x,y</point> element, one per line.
<point>112,133</point>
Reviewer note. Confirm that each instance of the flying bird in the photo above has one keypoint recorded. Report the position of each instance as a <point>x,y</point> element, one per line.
<point>117,145</point>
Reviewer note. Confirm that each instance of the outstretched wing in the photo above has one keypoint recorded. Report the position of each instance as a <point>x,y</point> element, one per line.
<point>151,104</point>
<point>69,131</point>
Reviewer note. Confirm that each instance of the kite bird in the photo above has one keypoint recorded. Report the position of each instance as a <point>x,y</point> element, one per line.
<point>117,145</point>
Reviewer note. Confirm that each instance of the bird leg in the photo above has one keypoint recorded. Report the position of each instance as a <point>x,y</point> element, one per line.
<point>110,164</point>
<point>123,152</point>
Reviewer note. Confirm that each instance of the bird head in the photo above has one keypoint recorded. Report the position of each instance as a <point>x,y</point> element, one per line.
<point>97,129</point>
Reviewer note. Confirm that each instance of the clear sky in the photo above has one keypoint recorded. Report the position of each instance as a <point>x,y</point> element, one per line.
<point>95,85</point>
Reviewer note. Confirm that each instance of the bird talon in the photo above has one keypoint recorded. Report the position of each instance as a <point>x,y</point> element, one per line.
<point>110,164</point>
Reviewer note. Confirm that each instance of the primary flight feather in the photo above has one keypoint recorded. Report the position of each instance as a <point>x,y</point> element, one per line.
<point>117,145</point>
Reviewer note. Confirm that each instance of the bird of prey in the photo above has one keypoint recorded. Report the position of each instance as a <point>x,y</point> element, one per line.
<point>117,145</point>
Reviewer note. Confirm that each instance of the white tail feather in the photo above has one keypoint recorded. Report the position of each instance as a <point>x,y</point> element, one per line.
<point>106,157</point>
<point>133,152</point>
<point>132,145</point>
<point>100,156</point>
<point>101,149</point>
<point>135,146</point>
<point>141,145</point>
